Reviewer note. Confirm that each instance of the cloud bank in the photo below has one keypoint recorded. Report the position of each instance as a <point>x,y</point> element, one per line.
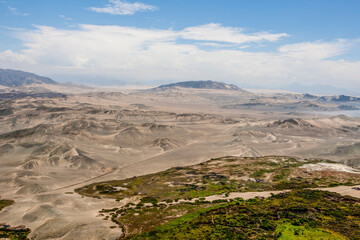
<point>193,53</point>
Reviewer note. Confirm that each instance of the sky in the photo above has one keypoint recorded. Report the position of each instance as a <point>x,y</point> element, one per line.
<point>245,42</point>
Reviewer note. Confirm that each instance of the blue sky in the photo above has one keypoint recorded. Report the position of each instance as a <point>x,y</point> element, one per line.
<point>259,42</point>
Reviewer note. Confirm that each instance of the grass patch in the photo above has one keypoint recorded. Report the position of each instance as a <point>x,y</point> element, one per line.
<point>287,231</point>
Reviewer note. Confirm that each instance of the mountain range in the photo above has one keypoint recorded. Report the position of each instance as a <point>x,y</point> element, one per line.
<point>16,78</point>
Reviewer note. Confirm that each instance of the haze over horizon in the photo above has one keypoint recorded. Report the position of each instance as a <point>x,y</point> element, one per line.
<point>259,43</point>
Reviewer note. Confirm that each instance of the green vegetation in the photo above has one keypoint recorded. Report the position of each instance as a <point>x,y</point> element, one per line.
<point>300,214</point>
<point>5,203</point>
<point>291,232</point>
<point>180,193</point>
<point>8,232</point>
<point>14,234</point>
<point>260,173</point>
<point>140,219</point>
<point>151,200</point>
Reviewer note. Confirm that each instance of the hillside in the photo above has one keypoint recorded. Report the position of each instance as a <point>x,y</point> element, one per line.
<point>15,78</point>
<point>154,200</point>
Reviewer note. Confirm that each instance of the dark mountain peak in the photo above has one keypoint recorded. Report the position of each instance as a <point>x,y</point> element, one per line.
<point>344,98</point>
<point>309,96</point>
<point>16,78</point>
<point>200,85</point>
<point>293,123</point>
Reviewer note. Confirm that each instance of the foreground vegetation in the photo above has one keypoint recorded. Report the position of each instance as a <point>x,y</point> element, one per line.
<point>300,214</point>
<point>8,232</point>
<point>220,176</point>
<point>149,201</point>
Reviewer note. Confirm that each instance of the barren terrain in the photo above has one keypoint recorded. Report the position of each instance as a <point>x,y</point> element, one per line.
<point>51,146</point>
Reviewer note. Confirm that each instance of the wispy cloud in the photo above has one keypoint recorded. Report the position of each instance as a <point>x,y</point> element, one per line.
<point>12,28</point>
<point>317,49</point>
<point>67,20</point>
<point>64,17</point>
<point>119,7</point>
<point>218,33</point>
<point>15,11</point>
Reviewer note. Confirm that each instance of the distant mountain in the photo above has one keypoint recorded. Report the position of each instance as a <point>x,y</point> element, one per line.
<point>317,89</point>
<point>299,88</point>
<point>339,98</point>
<point>200,85</point>
<point>15,78</point>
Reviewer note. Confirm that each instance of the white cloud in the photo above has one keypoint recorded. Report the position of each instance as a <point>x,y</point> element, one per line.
<point>12,57</point>
<point>138,54</point>
<point>217,32</point>
<point>119,7</point>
